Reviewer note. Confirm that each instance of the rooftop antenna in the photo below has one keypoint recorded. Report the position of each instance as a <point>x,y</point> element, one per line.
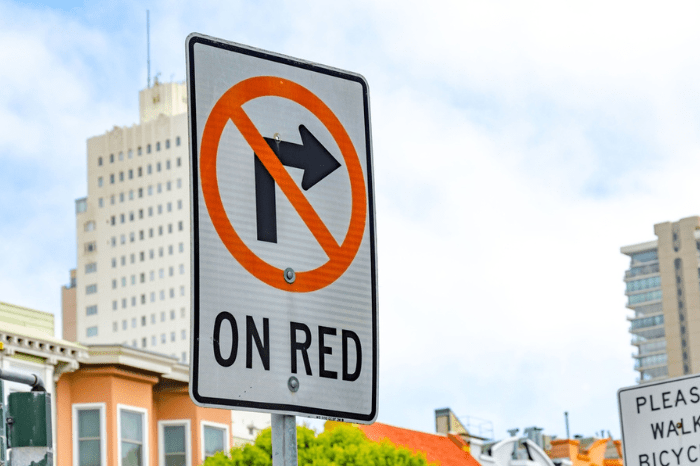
<point>148,45</point>
<point>566,420</point>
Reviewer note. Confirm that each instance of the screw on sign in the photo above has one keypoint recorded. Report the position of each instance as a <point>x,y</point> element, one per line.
<point>284,258</point>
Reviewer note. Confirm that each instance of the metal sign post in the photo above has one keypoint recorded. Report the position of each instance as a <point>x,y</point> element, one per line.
<point>284,440</point>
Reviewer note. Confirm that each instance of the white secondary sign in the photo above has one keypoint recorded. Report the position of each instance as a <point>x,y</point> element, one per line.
<point>284,311</point>
<point>660,422</point>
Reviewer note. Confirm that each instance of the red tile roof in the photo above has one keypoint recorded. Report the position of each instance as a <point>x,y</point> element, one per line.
<point>437,448</point>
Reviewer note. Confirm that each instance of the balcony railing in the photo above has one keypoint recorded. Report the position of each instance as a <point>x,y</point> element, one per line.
<point>642,270</point>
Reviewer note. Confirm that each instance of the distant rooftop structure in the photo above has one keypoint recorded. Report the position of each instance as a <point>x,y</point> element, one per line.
<point>26,317</point>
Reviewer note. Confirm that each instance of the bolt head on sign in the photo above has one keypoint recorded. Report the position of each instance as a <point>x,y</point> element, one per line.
<point>284,304</point>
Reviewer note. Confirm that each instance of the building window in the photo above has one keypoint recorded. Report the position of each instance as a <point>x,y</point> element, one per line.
<point>100,181</point>
<point>179,183</point>
<point>99,161</point>
<point>179,161</point>
<point>168,185</point>
<point>148,148</point>
<point>149,169</point>
<point>160,188</point>
<point>167,164</point>
<point>131,153</point>
<point>121,156</point>
<point>158,146</point>
<point>138,150</point>
<point>121,176</point>
<point>131,194</point>
<point>163,338</point>
<point>139,171</point>
<point>158,166</point>
<point>182,247</point>
<point>180,226</point>
<point>167,143</point>
<point>131,174</point>
<point>89,435</point>
<point>133,444</point>
<point>111,158</point>
<point>91,289</point>
<point>183,334</point>
<point>177,141</point>
<point>91,331</point>
<point>100,202</point>
<point>111,178</point>
<point>115,326</point>
<point>214,439</point>
<point>91,310</point>
<point>91,267</point>
<point>114,305</point>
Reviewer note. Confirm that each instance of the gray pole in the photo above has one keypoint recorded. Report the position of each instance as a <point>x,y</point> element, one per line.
<point>32,380</point>
<point>148,45</point>
<point>284,440</point>
<point>566,419</point>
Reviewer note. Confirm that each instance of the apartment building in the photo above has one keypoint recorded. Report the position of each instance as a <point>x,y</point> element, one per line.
<point>131,285</point>
<point>663,292</point>
<point>133,232</point>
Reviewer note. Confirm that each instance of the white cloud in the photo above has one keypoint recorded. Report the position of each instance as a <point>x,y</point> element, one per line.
<point>517,147</point>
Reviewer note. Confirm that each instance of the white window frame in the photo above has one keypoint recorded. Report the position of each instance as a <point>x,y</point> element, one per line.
<point>103,430</point>
<point>227,435</point>
<point>145,431</point>
<point>188,439</point>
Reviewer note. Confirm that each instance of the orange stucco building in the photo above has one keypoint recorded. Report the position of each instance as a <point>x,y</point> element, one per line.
<point>594,455</point>
<point>133,404</point>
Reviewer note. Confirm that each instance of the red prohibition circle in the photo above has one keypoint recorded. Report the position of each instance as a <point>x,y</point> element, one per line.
<point>230,107</point>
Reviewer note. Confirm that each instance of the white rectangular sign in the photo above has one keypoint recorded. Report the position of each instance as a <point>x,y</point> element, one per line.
<point>660,422</point>
<point>284,311</point>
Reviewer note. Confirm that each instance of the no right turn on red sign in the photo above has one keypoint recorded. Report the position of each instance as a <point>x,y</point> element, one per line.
<point>284,255</point>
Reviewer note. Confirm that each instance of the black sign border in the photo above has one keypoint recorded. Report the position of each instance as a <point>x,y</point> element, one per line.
<point>198,399</point>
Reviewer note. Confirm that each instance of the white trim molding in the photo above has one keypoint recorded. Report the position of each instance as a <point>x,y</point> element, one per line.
<point>144,430</point>
<point>227,435</point>
<point>103,429</point>
<point>188,439</point>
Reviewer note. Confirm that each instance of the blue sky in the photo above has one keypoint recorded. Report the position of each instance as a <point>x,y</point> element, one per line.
<point>516,148</point>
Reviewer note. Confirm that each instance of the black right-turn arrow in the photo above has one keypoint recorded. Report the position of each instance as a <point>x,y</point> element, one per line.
<point>309,156</point>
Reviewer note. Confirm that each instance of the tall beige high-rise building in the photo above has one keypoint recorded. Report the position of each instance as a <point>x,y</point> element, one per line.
<point>663,291</point>
<point>132,281</point>
<point>133,231</point>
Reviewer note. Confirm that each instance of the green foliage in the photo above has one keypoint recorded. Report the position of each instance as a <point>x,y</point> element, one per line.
<point>344,445</point>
